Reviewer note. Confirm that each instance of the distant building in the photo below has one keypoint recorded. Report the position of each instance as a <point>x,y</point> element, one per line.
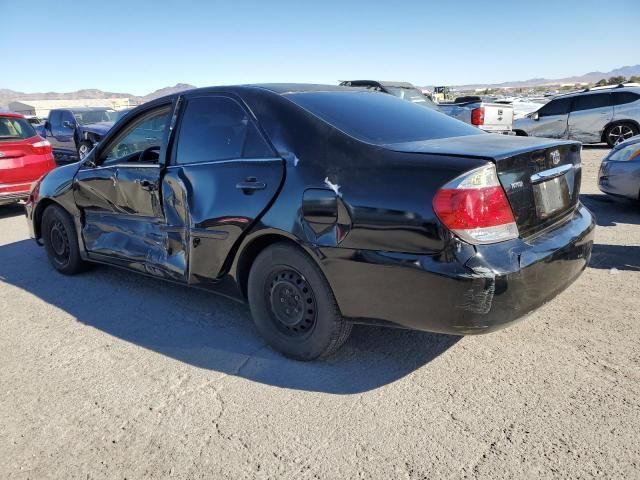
<point>41,107</point>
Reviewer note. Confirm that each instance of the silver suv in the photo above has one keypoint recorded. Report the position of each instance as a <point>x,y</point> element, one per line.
<point>601,114</point>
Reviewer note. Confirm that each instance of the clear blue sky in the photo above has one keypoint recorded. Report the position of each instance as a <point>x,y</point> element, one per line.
<point>136,47</point>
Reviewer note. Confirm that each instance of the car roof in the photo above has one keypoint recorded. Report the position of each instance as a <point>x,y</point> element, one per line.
<point>281,89</point>
<point>594,90</point>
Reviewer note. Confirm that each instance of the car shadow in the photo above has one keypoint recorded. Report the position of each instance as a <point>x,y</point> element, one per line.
<point>596,146</point>
<point>13,210</point>
<point>610,211</point>
<point>211,332</point>
<point>620,257</point>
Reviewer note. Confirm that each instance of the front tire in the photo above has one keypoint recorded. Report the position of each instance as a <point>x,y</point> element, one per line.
<point>61,241</point>
<point>619,132</point>
<point>293,306</point>
<point>83,149</point>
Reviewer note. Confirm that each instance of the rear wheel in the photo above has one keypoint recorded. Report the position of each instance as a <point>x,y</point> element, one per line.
<point>83,149</point>
<point>619,132</point>
<point>293,306</point>
<point>60,241</point>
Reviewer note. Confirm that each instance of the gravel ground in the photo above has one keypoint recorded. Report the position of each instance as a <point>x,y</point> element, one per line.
<point>113,375</point>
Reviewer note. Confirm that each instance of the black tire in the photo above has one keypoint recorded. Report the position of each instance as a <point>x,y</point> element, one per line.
<point>83,149</point>
<point>619,132</point>
<point>293,306</point>
<point>60,241</point>
<point>520,133</point>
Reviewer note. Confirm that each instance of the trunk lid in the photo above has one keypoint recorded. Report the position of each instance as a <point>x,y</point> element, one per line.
<point>540,176</point>
<point>19,161</point>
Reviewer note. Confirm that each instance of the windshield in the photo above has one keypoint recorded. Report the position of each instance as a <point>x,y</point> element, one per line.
<point>380,118</point>
<point>12,128</point>
<point>122,113</point>
<point>413,95</point>
<point>95,116</point>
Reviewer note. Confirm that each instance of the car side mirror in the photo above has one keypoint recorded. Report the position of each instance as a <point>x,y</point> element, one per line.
<point>68,124</point>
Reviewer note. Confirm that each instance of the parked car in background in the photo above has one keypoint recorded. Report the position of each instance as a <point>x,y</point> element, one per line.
<point>488,116</point>
<point>24,157</point>
<point>73,132</point>
<point>620,170</point>
<point>599,114</point>
<point>403,90</point>
<point>324,206</point>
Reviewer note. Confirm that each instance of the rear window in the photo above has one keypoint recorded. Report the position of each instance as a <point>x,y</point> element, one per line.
<point>380,118</point>
<point>12,128</point>
<point>620,98</point>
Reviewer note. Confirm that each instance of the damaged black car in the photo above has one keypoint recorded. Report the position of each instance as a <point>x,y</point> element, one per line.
<point>322,207</point>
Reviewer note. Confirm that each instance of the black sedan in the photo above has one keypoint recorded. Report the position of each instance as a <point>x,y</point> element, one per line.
<point>322,207</point>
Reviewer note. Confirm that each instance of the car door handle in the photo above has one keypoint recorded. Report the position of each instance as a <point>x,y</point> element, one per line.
<point>250,185</point>
<point>146,184</point>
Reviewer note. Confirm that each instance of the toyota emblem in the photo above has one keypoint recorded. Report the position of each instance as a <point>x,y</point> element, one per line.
<point>555,157</point>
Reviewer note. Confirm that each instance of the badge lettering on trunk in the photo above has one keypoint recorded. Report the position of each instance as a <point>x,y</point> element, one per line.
<point>516,185</point>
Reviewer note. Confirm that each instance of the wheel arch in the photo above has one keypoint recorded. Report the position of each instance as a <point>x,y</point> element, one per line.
<point>616,122</point>
<point>43,203</point>
<point>254,246</point>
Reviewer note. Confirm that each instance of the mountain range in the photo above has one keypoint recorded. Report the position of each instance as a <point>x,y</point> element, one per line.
<point>7,96</point>
<point>591,77</point>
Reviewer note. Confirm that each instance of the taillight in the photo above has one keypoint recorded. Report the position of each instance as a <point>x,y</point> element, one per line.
<point>477,116</point>
<point>42,147</point>
<point>475,207</point>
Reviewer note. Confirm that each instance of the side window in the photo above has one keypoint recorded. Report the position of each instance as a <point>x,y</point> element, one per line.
<point>587,102</point>
<point>67,116</point>
<point>140,134</point>
<point>559,106</point>
<point>218,128</point>
<point>620,98</point>
<point>56,119</point>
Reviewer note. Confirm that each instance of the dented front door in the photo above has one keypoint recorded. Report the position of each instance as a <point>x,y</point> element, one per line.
<point>123,221</point>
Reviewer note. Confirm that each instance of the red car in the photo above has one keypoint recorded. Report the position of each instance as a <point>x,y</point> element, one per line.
<point>24,157</point>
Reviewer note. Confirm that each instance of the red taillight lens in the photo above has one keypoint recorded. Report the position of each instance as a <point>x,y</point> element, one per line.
<point>477,116</point>
<point>42,147</point>
<point>475,207</point>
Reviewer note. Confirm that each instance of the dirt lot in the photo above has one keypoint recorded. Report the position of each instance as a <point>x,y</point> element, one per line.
<point>112,375</point>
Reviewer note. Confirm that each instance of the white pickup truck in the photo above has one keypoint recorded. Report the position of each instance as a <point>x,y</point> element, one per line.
<point>490,117</point>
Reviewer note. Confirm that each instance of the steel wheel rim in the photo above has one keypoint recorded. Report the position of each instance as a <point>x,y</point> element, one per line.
<point>292,302</point>
<point>620,133</point>
<point>59,241</point>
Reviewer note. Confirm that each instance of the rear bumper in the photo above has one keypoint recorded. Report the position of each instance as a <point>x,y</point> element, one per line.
<point>496,286</point>
<point>14,192</point>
